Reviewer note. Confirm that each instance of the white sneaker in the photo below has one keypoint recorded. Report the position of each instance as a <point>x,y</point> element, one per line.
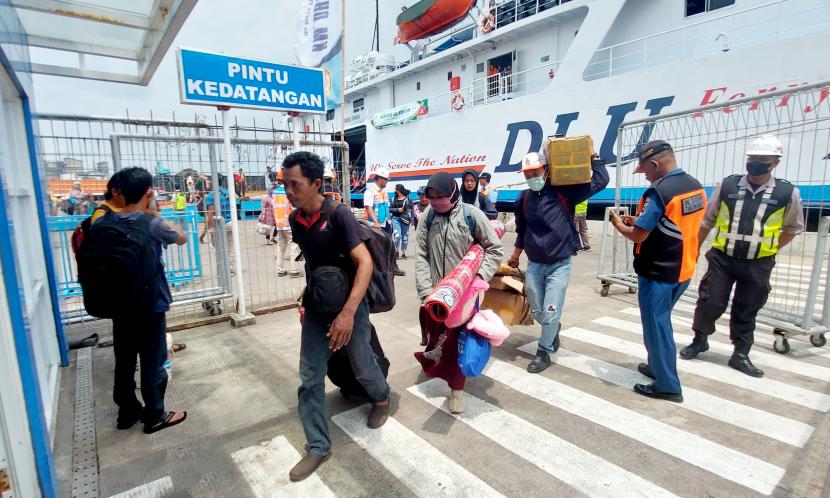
<point>456,401</point>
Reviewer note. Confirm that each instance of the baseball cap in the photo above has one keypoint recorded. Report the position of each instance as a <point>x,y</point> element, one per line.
<point>649,150</point>
<point>532,161</point>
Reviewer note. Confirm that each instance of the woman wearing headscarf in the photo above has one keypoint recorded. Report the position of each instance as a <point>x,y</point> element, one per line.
<point>470,194</point>
<point>401,209</point>
<point>443,238</point>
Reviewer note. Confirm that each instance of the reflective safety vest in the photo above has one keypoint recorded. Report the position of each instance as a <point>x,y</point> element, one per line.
<point>582,207</point>
<point>282,208</point>
<point>181,202</point>
<point>669,254</point>
<point>749,225</point>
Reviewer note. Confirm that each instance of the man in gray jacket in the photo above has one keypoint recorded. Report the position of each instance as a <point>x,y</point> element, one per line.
<point>447,230</point>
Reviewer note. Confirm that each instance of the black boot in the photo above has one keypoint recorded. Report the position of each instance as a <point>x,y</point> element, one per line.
<point>741,363</point>
<point>540,363</point>
<point>397,271</point>
<point>699,345</point>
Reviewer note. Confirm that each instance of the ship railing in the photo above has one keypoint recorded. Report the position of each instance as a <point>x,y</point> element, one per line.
<point>510,11</point>
<point>508,85</point>
<point>765,23</point>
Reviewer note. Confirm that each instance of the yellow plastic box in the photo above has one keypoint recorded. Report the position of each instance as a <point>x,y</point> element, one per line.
<point>569,160</point>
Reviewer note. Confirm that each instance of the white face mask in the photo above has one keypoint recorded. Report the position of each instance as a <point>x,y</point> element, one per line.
<point>536,183</point>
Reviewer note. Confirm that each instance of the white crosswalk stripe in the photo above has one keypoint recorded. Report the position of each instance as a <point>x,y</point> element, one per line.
<point>691,448</point>
<point>758,357</point>
<point>752,419</point>
<point>720,373</point>
<point>154,489</point>
<point>763,333</point>
<point>567,462</point>
<point>266,466</point>
<point>419,465</point>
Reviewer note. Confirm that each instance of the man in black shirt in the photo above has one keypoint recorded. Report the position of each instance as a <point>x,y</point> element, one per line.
<point>330,242</point>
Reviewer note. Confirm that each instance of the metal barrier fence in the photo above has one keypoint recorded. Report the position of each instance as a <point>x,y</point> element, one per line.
<point>77,147</point>
<point>710,144</point>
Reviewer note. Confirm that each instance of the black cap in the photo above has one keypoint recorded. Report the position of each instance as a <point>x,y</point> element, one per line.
<point>486,176</point>
<point>652,148</point>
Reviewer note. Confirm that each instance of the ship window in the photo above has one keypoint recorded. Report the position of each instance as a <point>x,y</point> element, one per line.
<point>694,7</point>
<point>480,67</point>
<point>357,105</point>
<point>330,115</point>
<point>449,75</point>
<point>418,85</point>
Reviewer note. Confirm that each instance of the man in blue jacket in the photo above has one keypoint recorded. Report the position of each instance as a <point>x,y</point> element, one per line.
<point>545,230</point>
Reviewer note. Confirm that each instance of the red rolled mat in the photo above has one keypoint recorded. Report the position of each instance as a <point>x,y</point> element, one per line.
<point>449,290</point>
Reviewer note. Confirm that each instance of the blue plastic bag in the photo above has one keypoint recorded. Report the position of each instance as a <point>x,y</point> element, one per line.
<point>473,352</point>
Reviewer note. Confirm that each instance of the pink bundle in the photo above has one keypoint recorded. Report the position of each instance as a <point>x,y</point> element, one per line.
<point>453,288</point>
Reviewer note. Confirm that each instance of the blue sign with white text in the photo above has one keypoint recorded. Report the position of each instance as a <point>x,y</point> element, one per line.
<point>215,79</point>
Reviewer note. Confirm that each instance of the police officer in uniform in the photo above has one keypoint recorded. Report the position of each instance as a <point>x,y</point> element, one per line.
<point>665,233</point>
<point>753,216</point>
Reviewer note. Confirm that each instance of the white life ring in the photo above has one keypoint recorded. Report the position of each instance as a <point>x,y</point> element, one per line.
<point>487,23</point>
<point>457,101</point>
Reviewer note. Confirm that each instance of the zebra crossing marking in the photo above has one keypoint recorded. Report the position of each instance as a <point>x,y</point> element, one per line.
<point>153,489</point>
<point>416,463</point>
<point>759,357</point>
<point>724,462</point>
<point>265,467</point>
<point>767,424</point>
<point>775,389</point>
<point>799,347</point>
<point>565,461</point>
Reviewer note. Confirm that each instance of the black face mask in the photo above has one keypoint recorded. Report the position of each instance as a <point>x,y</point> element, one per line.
<point>757,168</point>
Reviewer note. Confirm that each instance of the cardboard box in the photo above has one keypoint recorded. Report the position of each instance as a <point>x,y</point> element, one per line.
<point>513,308</point>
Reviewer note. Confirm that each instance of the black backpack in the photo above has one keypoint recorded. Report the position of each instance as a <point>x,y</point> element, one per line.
<point>118,269</point>
<point>82,229</point>
<point>381,291</point>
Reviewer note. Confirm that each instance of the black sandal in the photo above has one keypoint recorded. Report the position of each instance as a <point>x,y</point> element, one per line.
<point>165,422</point>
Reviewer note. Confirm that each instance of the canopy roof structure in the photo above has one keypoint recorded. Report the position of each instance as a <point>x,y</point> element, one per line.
<point>110,40</point>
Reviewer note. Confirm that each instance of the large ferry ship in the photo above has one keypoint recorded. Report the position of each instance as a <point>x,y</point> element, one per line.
<point>528,69</point>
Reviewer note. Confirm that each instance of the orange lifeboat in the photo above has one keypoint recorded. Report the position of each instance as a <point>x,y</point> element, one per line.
<point>429,17</point>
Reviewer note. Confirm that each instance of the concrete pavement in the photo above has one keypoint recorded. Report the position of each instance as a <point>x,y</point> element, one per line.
<point>575,429</point>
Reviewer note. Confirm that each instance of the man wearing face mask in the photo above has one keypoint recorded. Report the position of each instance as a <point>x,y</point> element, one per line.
<point>753,216</point>
<point>664,233</point>
<point>545,230</point>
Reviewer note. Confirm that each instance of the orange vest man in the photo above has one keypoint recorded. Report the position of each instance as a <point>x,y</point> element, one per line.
<point>665,233</point>
<point>287,250</point>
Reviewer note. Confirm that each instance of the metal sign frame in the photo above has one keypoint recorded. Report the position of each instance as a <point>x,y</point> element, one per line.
<point>233,103</point>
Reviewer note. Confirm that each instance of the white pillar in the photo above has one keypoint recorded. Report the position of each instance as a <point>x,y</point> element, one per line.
<point>237,248</point>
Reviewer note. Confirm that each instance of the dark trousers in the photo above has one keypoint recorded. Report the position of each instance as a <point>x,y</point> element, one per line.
<point>750,278</point>
<point>141,337</point>
<point>314,357</point>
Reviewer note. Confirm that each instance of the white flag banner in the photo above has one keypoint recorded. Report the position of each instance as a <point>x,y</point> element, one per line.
<point>319,42</point>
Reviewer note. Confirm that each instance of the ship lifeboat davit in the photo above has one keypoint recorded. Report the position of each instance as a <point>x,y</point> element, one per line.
<point>429,17</point>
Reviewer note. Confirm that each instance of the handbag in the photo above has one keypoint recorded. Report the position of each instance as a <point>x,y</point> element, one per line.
<point>473,352</point>
<point>262,228</point>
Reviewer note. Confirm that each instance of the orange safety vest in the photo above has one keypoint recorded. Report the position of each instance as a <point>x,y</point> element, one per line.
<point>282,208</point>
<point>669,254</point>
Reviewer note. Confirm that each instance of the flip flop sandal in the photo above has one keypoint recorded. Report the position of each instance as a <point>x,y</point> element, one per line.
<point>179,346</point>
<point>165,422</point>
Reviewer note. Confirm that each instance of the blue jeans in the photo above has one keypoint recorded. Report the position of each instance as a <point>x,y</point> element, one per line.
<point>314,356</point>
<point>656,302</point>
<point>401,234</point>
<point>546,285</point>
